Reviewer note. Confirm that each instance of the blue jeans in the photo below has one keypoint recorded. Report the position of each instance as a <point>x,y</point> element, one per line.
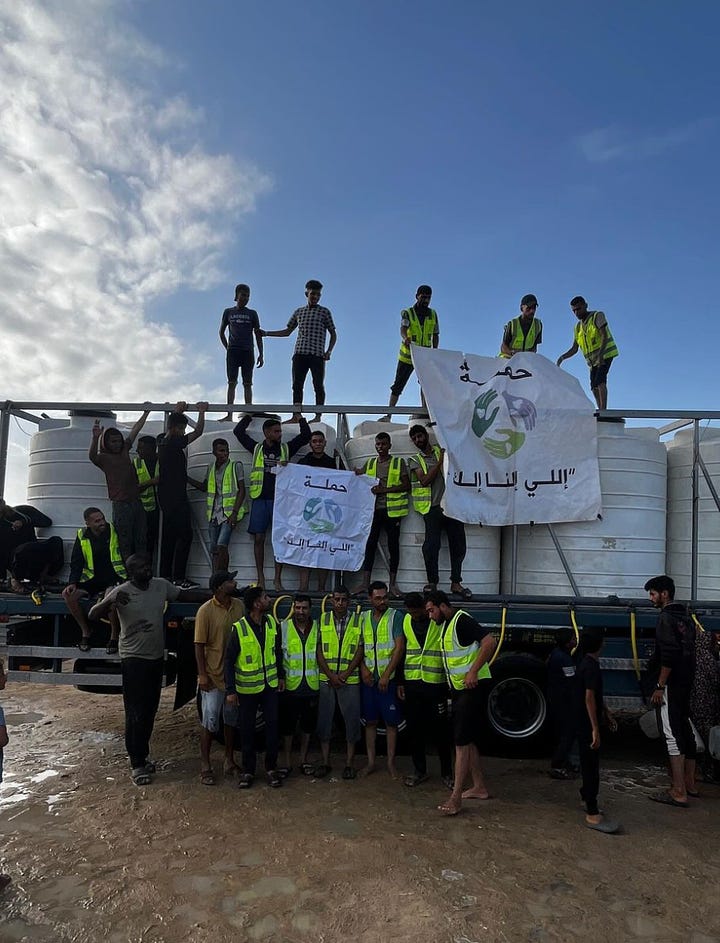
<point>219,535</point>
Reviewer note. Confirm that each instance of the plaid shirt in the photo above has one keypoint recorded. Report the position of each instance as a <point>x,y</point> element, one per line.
<point>313,322</point>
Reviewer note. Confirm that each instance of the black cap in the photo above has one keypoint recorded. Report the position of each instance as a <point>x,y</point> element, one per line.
<point>528,300</point>
<point>220,577</point>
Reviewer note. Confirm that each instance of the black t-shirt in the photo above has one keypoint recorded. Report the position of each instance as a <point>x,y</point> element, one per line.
<point>172,462</point>
<point>588,678</point>
<point>560,678</point>
<point>321,461</point>
<point>469,631</point>
<point>241,323</point>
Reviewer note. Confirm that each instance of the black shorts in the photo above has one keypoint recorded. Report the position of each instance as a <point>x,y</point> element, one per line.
<point>94,587</point>
<point>466,711</point>
<point>598,375</point>
<point>240,360</point>
<point>294,708</point>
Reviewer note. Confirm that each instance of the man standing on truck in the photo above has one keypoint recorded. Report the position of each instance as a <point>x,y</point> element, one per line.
<point>593,337</point>
<point>140,604</point>
<point>418,325</point>
<point>674,662</point>
<point>242,323</point>
<point>146,469</point>
<point>428,488</point>
<point>524,332</point>
<point>466,648</point>
<point>224,484</point>
<point>213,624</point>
<point>254,676</point>
<point>317,457</point>
<point>96,564</point>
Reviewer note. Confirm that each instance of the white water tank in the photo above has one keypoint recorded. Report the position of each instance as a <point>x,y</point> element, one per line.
<point>481,569</point>
<point>679,510</point>
<point>612,556</point>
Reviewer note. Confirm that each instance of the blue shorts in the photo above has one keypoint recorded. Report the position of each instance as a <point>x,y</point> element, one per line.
<point>378,704</point>
<point>219,535</point>
<point>260,516</point>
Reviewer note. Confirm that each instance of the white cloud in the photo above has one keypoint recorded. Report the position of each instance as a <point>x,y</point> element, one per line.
<point>616,143</point>
<point>104,207</point>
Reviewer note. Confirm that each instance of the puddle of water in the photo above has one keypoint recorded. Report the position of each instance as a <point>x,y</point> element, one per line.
<point>340,825</point>
<point>266,887</point>
<point>16,931</point>
<point>45,774</point>
<point>264,927</point>
<point>61,890</point>
<point>251,859</point>
<point>198,883</point>
<point>27,717</point>
<point>98,736</point>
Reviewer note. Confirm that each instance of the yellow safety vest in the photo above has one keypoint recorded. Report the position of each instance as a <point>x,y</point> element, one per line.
<point>300,656</point>
<point>426,663</point>
<point>255,668</point>
<point>397,501</point>
<point>339,657</point>
<point>417,333</point>
<point>422,494</point>
<point>87,551</point>
<point>458,658</point>
<point>589,338</point>
<point>229,490</point>
<point>379,644</point>
<point>522,341</point>
<point>147,495</point>
<point>258,467</point>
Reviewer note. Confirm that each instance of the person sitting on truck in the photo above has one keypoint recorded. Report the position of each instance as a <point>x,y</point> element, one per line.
<point>146,469</point>
<point>177,530</point>
<point>242,323</point>
<point>110,451</point>
<point>593,337</point>
<point>391,506</point>
<point>29,560</point>
<point>213,624</point>
<point>266,455</point>
<point>96,564</point>
<point>224,484</point>
<point>140,604</point>
<point>254,676</point>
<point>467,648</point>
<point>524,332</point>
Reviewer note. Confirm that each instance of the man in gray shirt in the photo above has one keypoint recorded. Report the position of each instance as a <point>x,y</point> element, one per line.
<point>140,605</point>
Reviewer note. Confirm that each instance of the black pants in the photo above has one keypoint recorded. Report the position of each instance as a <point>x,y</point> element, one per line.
<point>426,713</point>
<point>247,715</point>
<point>590,769</point>
<point>177,537</point>
<point>435,523</point>
<point>391,526</point>
<point>402,375</point>
<point>564,733</point>
<point>301,363</point>
<point>37,558</point>
<point>152,530</point>
<point>141,687</point>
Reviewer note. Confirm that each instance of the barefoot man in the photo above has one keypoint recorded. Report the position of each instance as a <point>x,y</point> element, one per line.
<point>467,647</point>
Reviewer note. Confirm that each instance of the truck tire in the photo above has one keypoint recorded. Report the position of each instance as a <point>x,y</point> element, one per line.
<point>516,705</point>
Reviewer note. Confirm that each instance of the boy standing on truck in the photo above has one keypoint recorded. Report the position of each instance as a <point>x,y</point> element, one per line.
<point>224,484</point>
<point>146,469</point>
<point>593,337</point>
<point>418,325</point>
<point>242,323</point>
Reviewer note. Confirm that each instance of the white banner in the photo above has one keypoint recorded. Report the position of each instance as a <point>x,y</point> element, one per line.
<point>519,434</point>
<point>321,517</point>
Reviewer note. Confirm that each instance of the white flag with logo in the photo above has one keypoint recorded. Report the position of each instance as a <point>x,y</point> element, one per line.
<point>321,517</point>
<point>519,434</point>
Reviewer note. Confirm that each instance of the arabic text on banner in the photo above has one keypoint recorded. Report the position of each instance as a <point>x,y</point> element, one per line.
<point>321,517</point>
<point>519,434</point>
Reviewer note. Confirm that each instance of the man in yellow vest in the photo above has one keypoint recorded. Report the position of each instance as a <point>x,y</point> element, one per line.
<point>525,332</point>
<point>340,651</point>
<point>467,648</point>
<point>428,487</point>
<point>423,691</point>
<point>418,325</point>
<point>593,337</point>
<point>299,700</point>
<point>383,647</point>
<point>268,453</point>
<point>391,506</point>
<point>254,676</point>
<point>96,564</point>
<point>146,469</point>
<point>224,484</point>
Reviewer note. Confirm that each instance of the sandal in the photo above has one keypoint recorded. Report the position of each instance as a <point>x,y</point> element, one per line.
<point>84,644</point>
<point>112,647</point>
<point>140,776</point>
<point>429,588</point>
<point>284,771</point>
<point>449,782</point>
<point>307,769</point>
<point>322,770</point>
<point>274,779</point>
<point>463,593</point>
<point>207,777</point>
<point>415,779</point>
<point>245,780</point>
<point>349,773</point>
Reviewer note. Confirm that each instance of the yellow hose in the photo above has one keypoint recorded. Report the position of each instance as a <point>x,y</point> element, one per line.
<point>577,631</point>
<point>502,636</point>
<point>633,643</point>
<point>277,603</point>
<point>697,623</point>
<point>324,600</point>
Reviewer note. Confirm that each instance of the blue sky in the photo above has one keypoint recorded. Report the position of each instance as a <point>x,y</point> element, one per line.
<point>490,149</point>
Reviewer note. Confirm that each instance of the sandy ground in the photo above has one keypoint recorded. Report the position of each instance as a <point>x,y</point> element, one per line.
<point>94,858</point>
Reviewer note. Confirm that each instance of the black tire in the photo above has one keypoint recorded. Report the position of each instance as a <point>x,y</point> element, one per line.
<point>516,710</point>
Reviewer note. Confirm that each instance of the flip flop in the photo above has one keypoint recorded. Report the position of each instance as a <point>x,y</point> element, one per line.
<point>207,777</point>
<point>112,647</point>
<point>608,828</point>
<point>693,793</point>
<point>415,779</point>
<point>140,776</point>
<point>321,770</point>
<point>307,769</point>
<point>284,771</point>
<point>349,773</point>
<point>245,780</point>
<point>664,798</point>
<point>84,644</point>
<point>463,593</point>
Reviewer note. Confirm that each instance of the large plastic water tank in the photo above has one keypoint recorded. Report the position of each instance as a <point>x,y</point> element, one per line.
<point>679,511</point>
<point>62,481</point>
<point>612,556</point>
<point>241,545</point>
<point>481,569</point>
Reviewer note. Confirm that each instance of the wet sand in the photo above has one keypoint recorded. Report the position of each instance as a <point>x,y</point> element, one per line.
<point>94,858</point>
